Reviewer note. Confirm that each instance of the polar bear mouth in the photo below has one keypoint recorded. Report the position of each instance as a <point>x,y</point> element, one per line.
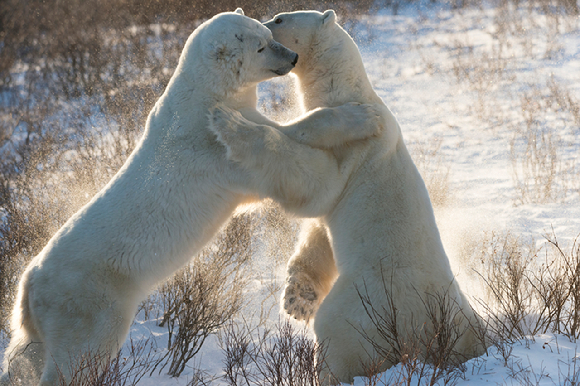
<point>281,71</point>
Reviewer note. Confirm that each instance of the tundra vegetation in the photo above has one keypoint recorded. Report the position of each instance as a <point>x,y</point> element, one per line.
<point>78,78</point>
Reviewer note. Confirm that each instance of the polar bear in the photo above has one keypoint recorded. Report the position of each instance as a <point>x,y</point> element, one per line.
<point>378,240</point>
<point>79,295</point>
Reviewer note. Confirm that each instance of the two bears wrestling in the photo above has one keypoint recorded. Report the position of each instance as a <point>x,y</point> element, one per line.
<point>205,151</point>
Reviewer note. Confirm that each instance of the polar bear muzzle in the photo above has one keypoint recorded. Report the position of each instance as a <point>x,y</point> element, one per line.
<point>287,58</point>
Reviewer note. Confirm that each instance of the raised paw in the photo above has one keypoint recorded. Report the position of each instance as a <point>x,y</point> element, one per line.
<point>300,299</point>
<point>223,120</point>
<point>225,123</point>
<point>368,119</point>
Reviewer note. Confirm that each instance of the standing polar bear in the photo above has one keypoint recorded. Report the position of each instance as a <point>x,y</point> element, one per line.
<point>80,294</point>
<point>384,243</point>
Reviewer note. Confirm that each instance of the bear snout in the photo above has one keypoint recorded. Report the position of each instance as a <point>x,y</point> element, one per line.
<point>295,60</point>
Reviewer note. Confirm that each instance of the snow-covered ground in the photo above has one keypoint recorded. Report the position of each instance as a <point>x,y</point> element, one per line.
<point>462,89</point>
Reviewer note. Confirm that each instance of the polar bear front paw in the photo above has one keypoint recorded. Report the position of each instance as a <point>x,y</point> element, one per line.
<point>226,124</point>
<point>300,299</point>
<point>368,119</point>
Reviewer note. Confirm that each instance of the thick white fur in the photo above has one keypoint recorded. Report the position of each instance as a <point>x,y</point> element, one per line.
<point>381,223</point>
<point>79,295</point>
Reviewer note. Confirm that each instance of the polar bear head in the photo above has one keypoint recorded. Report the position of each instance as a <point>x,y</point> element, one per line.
<point>231,51</point>
<point>304,31</point>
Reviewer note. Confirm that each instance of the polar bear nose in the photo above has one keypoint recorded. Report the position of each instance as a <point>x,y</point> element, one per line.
<point>295,60</point>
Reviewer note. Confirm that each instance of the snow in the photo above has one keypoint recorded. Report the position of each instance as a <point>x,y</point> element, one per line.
<point>539,360</point>
<point>411,59</point>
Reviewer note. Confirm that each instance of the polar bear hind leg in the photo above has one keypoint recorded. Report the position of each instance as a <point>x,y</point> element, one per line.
<point>341,325</point>
<point>88,343</point>
<point>23,358</point>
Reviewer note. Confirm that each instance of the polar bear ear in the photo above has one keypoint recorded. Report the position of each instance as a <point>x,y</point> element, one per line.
<point>239,11</point>
<point>328,17</point>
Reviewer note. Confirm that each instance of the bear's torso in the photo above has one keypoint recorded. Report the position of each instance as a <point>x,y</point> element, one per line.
<point>164,204</point>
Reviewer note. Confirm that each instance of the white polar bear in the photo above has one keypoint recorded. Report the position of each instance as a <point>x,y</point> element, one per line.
<point>79,295</point>
<point>384,242</point>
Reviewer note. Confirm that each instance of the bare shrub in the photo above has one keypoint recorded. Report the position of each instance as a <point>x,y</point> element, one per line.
<point>206,294</point>
<point>482,72</point>
<point>563,288</point>
<point>528,294</point>
<point>125,369</point>
<point>283,357</point>
<point>519,32</point>
<point>524,374</point>
<point>543,118</point>
<point>505,268</point>
<point>425,353</point>
<point>569,372</point>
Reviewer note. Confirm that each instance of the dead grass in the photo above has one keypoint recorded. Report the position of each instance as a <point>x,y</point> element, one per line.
<point>544,166</point>
<point>434,168</point>
<point>536,114</point>
<point>529,290</point>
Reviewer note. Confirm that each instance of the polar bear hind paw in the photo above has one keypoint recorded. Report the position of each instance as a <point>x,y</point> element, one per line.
<point>301,299</point>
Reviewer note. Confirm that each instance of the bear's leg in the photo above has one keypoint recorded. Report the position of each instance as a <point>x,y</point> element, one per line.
<point>341,325</point>
<point>311,272</point>
<point>86,342</point>
<point>51,371</point>
<point>23,358</point>
<point>67,358</point>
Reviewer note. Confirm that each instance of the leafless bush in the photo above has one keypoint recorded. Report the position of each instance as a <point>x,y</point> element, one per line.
<point>206,294</point>
<point>563,289</point>
<point>520,31</point>
<point>528,295</point>
<point>569,372</point>
<point>284,357</point>
<point>125,369</point>
<point>526,375</point>
<point>505,268</point>
<point>543,118</point>
<point>426,352</point>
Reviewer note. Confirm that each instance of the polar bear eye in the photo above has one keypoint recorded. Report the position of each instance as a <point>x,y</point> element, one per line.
<point>261,49</point>
<point>278,21</point>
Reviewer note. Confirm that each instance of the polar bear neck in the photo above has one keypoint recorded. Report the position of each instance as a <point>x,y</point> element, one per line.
<point>334,75</point>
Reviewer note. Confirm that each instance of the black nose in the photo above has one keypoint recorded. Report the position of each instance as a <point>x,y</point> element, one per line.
<point>295,60</point>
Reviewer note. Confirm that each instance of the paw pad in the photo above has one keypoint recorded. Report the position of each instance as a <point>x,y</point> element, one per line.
<point>300,298</point>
